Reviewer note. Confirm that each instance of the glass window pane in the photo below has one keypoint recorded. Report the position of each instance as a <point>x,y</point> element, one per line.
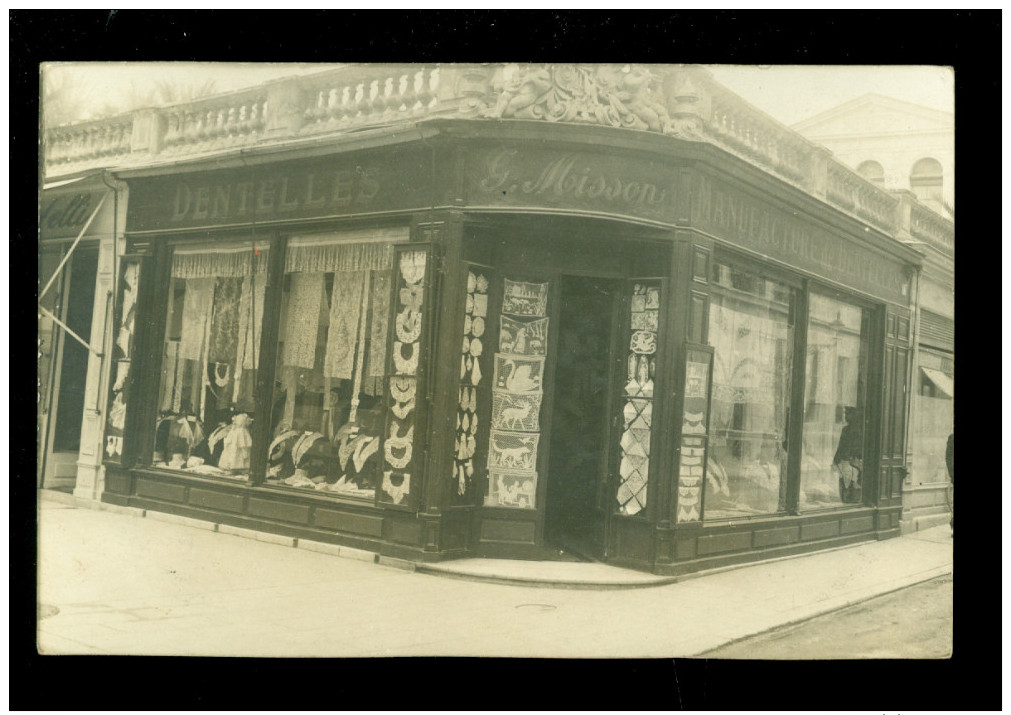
<point>751,322</point>
<point>328,410</point>
<point>831,471</point>
<point>933,419</point>
<point>209,359</point>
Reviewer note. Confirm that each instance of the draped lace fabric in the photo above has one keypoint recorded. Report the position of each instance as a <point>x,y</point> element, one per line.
<point>306,304</point>
<point>224,335</point>
<point>250,320</point>
<point>380,321</point>
<point>345,316</point>
<point>196,312</point>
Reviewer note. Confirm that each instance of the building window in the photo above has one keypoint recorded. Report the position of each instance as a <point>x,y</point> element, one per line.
<point>751,323</point>
<point>328,410</point>
<point>831,472</point>
<point>925,181</point>
<point>933,417</point>
<point>209,360</point>
<point>873,172</point>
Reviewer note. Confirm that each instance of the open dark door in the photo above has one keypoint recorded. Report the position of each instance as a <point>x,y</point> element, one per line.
<point>575,511</point>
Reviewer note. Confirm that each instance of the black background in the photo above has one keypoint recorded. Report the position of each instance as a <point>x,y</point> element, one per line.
<point>969,40</point>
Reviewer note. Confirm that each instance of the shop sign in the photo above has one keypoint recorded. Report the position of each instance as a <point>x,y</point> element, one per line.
<point>274,192</point>
<point>645,189</point>
<point>63,215</point>
<point>739,218</point>
<point>575,180</point>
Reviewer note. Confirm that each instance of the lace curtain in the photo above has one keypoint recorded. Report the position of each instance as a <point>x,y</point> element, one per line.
<point>221,261</point>
<point>338,258</point>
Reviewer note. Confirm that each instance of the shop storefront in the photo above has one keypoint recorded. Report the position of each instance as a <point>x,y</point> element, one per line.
<point>510,338</point>
<point>79,220</point>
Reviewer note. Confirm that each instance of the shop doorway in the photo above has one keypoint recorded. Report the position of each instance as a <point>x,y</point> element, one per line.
<point>69,378</point>
<point>575,517</point>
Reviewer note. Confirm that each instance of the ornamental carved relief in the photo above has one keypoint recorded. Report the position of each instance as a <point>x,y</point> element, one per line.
<point>626,96</point>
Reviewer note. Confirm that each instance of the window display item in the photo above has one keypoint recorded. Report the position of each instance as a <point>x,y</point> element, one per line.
<point>529,299</point>
<point>515,412</point>
<point>511,489</point>
<point>398,447</point>
<point>637,412</point>
<point>471,374</point>
<point>518,374</point>
<point>235,455</point>
<point>513,450</point>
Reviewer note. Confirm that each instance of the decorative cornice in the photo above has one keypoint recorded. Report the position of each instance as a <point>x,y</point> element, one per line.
<point>623,96</point>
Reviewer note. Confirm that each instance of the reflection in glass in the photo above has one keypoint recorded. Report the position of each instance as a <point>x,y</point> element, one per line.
<point>751,321</point>
<point>831,472</point>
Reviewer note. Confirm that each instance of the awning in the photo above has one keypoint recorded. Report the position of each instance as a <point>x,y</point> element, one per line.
<point>941,381</point>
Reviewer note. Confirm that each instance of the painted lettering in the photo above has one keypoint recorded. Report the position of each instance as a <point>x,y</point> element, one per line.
<point>313,201</point>
<point>567,176</point>
<point>245,191</point>
<point>342,186</point>
<point>222,195</point>
<point>267,195</point>
<point>201,201</point>
<point>182,202</point>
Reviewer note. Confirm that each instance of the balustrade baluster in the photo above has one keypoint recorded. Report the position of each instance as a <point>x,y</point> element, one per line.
<point>402,94</point>
<point>433,85</point>
<point>374,103</point>
<point>359,95</point>
<point>421,98</point>
<point>389,107</point>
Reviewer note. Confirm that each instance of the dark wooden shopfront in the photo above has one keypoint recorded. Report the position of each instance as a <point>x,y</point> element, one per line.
<point>600,230</point>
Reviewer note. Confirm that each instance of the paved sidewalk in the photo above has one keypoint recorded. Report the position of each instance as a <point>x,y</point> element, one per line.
<point>112,583</point>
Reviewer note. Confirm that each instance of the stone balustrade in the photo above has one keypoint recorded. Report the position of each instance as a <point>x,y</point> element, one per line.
<point>238,118</point>
<point>679,101</point>
<point>378,94</point>
<point>734,124</point>
<point>102,142</point>
<point>927,226</point>
<point>850,191</point>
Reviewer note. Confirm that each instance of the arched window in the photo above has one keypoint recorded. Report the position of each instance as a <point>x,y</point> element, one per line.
<point>872,171</point>
<point>925,180</point>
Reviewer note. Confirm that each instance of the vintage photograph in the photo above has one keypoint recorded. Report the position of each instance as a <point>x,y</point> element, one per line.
<point>524,360</point>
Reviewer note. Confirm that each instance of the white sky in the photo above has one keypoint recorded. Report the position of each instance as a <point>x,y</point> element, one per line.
<point>788,93</point>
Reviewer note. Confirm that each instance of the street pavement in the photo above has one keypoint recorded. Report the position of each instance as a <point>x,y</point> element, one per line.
<point>110,582</point>
<point>913,622</point>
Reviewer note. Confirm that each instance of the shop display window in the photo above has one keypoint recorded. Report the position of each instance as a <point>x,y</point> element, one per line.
<point>328,410</point>
<point>209,360</point>
<point>832,465</point>
<point>751,328</point>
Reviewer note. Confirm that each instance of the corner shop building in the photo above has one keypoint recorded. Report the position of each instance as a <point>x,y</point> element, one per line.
<point>466,334</point>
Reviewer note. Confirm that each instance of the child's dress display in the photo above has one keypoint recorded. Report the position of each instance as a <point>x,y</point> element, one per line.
<point>235,455</point>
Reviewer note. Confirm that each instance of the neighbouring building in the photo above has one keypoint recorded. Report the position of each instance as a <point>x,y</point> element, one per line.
<point>907,148</point>
<point>80,219</point>
<point>445,310</point>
